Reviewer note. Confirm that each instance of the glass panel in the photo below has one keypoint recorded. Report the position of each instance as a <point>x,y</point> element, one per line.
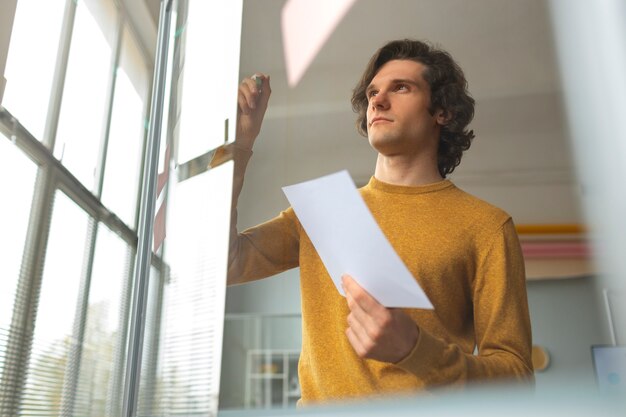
<point>57,306</point>
<point>103,336</point>
<point>208,91</point>
<point>197,212</point>
<point>193,300</point>
<point>31,62</point>
<point>83,111</point>
<point>17,178</point>
<point>123,162</point>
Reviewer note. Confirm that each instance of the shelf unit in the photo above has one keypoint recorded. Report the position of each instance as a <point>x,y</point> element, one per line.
<point>272,378</point>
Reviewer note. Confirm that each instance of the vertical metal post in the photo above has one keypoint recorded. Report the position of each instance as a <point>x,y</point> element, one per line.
<point>609,315</point>
<point>146,219</point>
<point>60,73</point>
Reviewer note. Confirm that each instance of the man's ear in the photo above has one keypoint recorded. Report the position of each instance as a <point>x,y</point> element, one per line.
<point>442,117</point>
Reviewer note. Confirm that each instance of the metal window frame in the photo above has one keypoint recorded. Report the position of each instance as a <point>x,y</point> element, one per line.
<point>146,216</point>
<point>53,176</point>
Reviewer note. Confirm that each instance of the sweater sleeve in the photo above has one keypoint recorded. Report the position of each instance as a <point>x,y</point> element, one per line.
<point>263,250</point>
<point>501,324</point>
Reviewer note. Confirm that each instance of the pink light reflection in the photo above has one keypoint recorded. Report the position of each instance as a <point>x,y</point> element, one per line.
<point>306,26</point>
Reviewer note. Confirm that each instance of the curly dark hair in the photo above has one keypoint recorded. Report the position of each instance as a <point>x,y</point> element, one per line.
<point>448,92</point>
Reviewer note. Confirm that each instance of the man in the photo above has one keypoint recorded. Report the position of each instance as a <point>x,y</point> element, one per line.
<point>413,106</point>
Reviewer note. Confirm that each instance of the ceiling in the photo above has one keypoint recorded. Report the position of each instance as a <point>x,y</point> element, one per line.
<point>520,159</point>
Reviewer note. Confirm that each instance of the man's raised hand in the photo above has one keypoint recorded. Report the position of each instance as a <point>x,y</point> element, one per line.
<point>252,100</point>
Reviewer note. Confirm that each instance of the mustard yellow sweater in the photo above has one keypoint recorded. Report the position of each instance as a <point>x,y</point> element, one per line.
<point>463,252</point>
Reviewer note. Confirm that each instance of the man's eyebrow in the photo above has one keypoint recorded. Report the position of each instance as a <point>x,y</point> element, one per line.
<point>371,86</point>
<point>405,81</point>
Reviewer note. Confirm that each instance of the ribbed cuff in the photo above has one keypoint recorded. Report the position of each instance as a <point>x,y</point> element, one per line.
<point>420,361</point>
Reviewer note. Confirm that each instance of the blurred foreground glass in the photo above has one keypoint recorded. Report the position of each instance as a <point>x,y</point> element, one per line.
<point>591,41</point>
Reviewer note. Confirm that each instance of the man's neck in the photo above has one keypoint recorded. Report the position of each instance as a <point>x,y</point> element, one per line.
<point>400,170</point>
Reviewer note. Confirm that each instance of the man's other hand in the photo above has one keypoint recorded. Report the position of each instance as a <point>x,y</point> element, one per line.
<point>252,100</point>
<point>375,331</point>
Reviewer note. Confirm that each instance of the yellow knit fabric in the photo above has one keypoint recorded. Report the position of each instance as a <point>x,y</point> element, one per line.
<point>465,255</point>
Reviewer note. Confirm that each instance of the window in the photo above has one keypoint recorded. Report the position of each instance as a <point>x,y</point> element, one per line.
<point>30,75</point>
<point>52,339</point>
<point>17,174</point>
<point>71,160</point>
<point>67,259</point>
<point>98,390</point>
<point>88,81</point>
<point>127,132</point>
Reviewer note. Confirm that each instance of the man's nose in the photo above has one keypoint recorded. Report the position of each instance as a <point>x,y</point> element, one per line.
<point>380,100</point>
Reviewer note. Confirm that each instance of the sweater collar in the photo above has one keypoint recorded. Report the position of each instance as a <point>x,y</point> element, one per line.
<point>375,184</point>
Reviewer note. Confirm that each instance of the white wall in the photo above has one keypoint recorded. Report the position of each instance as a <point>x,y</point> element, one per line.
<point>279,294</point>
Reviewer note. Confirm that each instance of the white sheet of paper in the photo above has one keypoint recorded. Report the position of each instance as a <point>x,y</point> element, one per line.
<point>348,240</point>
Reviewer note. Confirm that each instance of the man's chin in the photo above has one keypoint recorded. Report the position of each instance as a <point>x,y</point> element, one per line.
<point>381,141</point>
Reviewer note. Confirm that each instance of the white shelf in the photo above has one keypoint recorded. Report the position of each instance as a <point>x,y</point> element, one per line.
<point>270,378</point>
<point>267,376</point>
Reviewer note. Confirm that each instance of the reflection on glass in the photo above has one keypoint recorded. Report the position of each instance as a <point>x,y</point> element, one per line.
<point>31,62</point>
<point>57,305</point>
<point>123,162</point>
<point>17,176</point>
<point>111,268</point>
<point>83,110</point>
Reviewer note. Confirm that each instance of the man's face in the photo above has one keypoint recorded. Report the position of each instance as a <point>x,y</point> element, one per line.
<point>398,120</point>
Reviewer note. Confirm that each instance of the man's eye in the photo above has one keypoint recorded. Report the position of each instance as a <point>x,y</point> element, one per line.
<point>401,87</point>
<point>372,93</point>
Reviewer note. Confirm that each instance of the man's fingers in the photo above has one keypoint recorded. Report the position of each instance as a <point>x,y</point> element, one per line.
<point>369,328</point>
<point>374,331</point>
<point>243,103</point>
<point>249,91</point>
<point>358,328</point>
<point>252,99</point>
<point>359,315</point>
<point>368,303</point>
<point>261,84</point>
<point>355,342</point>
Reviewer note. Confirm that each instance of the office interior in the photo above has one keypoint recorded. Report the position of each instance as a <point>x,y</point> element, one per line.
<point>97,176</point>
